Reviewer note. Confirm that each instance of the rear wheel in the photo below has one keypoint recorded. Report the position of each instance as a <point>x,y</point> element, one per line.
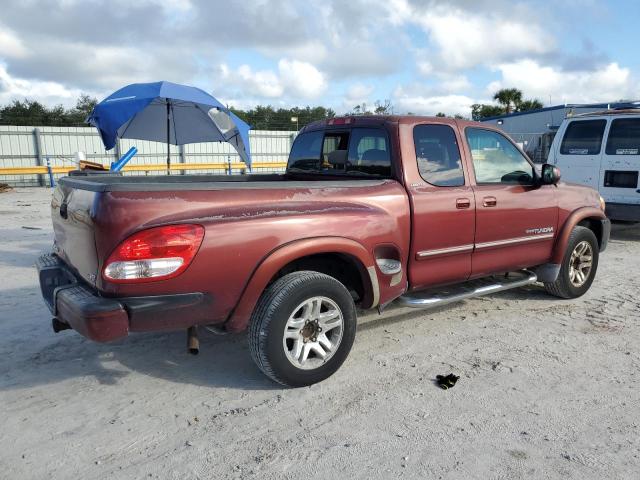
<point>578,267</point>
<point>302,328</point>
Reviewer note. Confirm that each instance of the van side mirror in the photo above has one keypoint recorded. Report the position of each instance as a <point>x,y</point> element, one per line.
<point>550,174</point>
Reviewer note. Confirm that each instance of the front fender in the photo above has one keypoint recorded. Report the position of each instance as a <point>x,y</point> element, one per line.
<point>289,252</point>
<point>574,219</point>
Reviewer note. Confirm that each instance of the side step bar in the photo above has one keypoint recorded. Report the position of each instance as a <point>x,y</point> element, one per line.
<point>474,288</point>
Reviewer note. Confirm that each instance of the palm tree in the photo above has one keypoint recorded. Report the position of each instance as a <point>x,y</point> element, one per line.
<point>509,98</point>
<point>532,104</point>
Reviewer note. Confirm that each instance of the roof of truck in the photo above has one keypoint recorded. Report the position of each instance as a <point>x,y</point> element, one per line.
<point>365,120</point>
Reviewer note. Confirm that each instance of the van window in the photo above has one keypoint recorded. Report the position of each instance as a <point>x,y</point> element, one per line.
<point>360,151</point>
<point>624,137</point>
<point>583,137</point>
<point>496,159</point>
<point>438,155</point>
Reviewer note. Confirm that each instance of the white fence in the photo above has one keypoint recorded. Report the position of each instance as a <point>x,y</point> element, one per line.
<point>32,146</point>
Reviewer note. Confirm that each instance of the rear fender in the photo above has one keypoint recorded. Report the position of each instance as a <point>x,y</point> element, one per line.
<point>574,219</point>
<point>286,254</point>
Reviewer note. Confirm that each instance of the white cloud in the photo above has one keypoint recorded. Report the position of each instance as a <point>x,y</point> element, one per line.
<point>294,79</point>
<point>407,100</point>
<point>10,45</point>
<point>608,83</point>
<point>263,83</point>
<point>50,93</point>
<point>358,93</point>
<point>453,83</point>
<point>467,38</point>
<point>425,67</point>
<point>301,78</point>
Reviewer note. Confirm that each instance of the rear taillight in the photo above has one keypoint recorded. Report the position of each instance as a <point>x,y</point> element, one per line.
<point>154,254</point>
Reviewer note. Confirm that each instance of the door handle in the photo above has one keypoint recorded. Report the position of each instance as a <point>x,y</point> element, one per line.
<point>463,203</point>
<point>489,201</point>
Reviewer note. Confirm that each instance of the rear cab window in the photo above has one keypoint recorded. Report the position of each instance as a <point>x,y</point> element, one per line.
<point>583,137</point>
<point>353,152</point>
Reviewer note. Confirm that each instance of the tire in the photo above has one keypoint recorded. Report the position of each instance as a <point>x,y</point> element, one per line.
<point>291,303</point>
<point>566,285</point>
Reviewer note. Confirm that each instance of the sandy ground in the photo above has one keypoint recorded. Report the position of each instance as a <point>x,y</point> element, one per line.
<point>548,388</point>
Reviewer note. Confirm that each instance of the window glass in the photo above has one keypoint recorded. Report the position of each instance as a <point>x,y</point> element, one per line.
<point>583,137</point>
<point>624,137</point>
<point>496,159</point>
<point>361,151</point>
<point>334,151</point>
<point>438,155</point>
<point>369,152</point>
<point>305,152</point>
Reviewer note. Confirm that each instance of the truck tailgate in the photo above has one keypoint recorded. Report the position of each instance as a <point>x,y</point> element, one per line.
<point>71,213</point>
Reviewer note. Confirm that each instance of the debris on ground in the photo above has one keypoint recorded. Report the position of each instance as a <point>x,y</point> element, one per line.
<point>4,187</point>
<point>446,381</point>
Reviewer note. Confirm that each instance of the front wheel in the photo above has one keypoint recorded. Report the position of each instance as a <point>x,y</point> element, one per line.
<point>578,267</point>
<point>302,328</point>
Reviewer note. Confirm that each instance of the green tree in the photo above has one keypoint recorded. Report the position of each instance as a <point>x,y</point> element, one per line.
<point>84,107</point>
<point>532,104</point>
<point>266,117</point>
<point>509,98</point>
<point>480,111</point>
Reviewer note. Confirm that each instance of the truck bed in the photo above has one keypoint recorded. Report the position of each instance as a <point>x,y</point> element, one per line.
<point>245,217</point>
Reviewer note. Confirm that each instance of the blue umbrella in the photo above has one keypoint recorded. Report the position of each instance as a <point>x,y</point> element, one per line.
<point>171,113</point>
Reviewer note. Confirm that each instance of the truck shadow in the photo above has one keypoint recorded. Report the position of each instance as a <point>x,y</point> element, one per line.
<point>223,362</point>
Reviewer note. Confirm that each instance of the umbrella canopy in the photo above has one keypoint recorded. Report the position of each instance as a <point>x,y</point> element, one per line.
<point>171,113</point>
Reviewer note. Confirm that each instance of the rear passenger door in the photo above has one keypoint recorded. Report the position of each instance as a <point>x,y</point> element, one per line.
<point>621,162</point>
<point>443,208</point>
<point>579,153</point>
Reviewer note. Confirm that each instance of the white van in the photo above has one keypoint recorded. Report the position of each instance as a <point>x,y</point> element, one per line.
<point>602,150</point>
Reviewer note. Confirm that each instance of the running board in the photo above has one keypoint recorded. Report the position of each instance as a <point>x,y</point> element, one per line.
<point>474,288</point>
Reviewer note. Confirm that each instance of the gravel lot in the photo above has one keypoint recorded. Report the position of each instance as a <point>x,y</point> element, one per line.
<point>548,388</point>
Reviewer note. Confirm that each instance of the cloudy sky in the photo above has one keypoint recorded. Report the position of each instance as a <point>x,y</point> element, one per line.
<point>424,56</point>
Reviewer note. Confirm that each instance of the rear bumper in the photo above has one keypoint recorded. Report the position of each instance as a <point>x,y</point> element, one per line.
<point>623,211</point>
<point>104,319</point>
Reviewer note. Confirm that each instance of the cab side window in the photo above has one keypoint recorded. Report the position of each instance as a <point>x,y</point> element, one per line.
<point>496,159</point>
<point>438,155</point>
<point>583,137</point>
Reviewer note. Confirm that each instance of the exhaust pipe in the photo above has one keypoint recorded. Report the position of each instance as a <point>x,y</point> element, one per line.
<point>193,344</point>
<point>59,326</point>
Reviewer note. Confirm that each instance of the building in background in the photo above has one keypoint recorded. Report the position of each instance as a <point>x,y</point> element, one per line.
<point>534,130</point>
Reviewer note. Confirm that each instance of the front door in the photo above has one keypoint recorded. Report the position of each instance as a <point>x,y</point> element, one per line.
<point>516,220</point>
<point>443,208</point>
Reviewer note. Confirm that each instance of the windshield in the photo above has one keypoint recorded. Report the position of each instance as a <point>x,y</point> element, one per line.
<point>355,152</point>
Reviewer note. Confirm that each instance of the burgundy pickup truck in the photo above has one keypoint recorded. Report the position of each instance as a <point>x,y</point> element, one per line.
<point>371,210</point>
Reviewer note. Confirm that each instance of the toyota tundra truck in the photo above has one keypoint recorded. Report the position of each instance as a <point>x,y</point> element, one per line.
<point>371,210</point>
